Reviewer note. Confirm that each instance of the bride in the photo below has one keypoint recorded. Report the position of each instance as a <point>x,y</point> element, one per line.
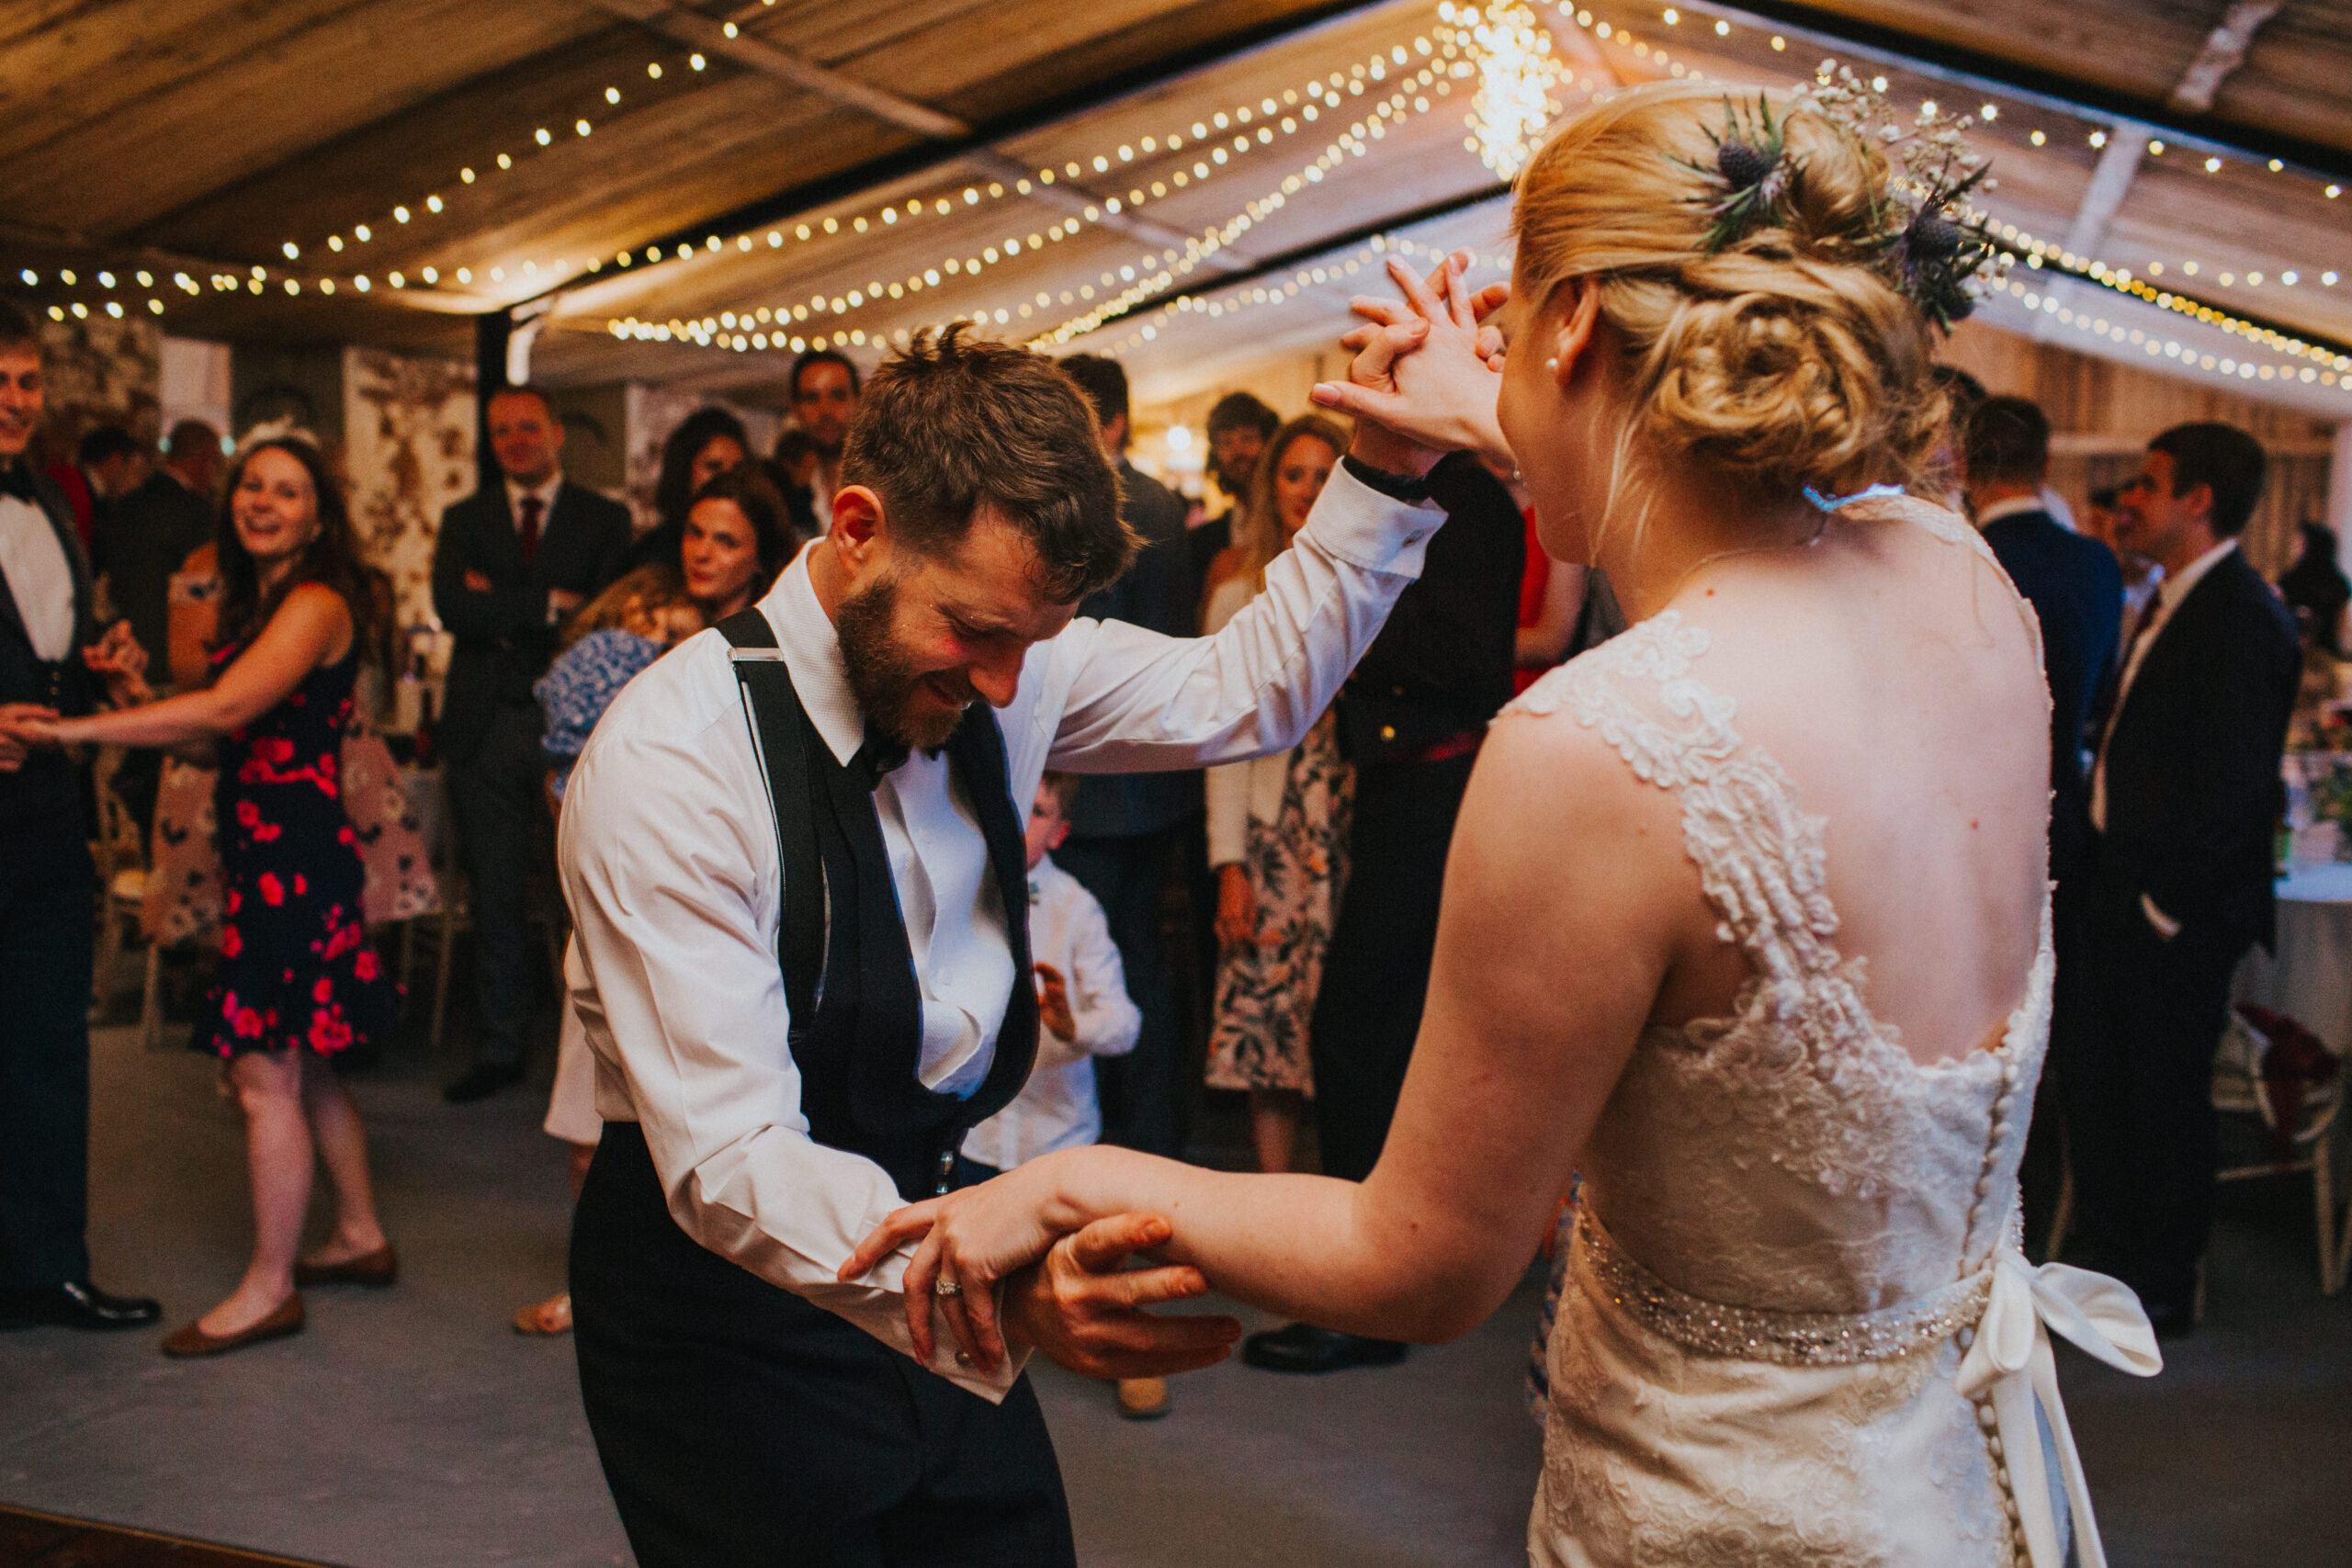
<point>1746,914</point>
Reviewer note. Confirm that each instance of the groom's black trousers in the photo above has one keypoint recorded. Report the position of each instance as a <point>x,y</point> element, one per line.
<point>739,1424</point>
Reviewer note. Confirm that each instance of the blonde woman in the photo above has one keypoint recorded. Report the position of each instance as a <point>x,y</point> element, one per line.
<point>1278,836</point>
<point>1747,911</point>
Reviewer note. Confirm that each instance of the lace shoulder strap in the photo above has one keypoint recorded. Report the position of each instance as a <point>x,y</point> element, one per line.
<point>1762,862</point>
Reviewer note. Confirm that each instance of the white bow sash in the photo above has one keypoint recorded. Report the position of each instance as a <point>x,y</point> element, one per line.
<point>2012,1359</point>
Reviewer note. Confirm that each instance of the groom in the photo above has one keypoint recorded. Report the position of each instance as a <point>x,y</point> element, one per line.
<point>794,855</point>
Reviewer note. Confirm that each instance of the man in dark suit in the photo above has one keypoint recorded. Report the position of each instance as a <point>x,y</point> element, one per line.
<point>1126,829</point>
<point>2077,591</point>
<point>2183,798</point>
<point>150,532</point>
<point>509,564</point>
<point>45,884</point>
<point>1412,717</point>
<point>144,537</point>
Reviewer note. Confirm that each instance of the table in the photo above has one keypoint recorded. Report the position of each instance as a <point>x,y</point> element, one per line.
<point>2310,976</point>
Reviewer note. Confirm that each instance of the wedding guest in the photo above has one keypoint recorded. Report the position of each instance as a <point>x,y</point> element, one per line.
<point>2076,592</point>
<point>793,467</point>
<point>145,535</point>
<point>2316,590</point>
<point>1277,838</point>
<point>298,984</point>
<point>1238,428</point>
<point>1412,718</point>
<point>2184,796</point>
<point>1085,1016</point>
<point>2140,574</point>
<point>108,463</point>
<point>705,444</point>
<point>152,529</point>
<point>511,562</point>
<point>47,882</point>
<point>1128,830</point>
<point>825,388</point>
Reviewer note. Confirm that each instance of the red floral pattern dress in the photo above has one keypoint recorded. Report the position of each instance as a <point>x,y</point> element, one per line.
<point>296,969</point>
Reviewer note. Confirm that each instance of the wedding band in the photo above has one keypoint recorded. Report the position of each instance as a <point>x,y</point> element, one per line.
<point>948,1288</point>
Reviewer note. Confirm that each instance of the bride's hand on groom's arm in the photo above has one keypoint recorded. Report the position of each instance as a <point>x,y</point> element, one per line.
<point>1066,1288</point>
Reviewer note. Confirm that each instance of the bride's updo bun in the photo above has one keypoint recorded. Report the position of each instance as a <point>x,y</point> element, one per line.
<point>1786,358</point>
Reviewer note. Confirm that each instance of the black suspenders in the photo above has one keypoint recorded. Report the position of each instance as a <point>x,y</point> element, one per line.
<point>784,734</point>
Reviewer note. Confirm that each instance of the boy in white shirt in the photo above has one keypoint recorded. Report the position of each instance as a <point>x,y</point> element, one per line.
<point>1085,1011</point>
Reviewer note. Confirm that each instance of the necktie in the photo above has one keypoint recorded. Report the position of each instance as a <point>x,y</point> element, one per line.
<point>532,508</point>
<point>17,481</point>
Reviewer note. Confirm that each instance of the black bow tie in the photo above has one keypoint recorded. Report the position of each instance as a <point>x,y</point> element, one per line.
<point>17,481</point>
<point>881,754</point>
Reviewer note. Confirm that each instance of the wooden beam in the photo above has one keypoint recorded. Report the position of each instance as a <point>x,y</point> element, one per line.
<point>2053,89</point>
<point>784,65</point>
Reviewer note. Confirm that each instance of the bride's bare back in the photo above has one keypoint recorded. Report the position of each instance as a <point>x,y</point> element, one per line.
<point>1895,675</point>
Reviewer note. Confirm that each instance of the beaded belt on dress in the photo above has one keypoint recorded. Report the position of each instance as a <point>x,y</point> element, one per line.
<point>1786,1339</point>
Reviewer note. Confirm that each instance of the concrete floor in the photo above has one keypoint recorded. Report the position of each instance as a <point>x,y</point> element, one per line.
<point>410,1427</point>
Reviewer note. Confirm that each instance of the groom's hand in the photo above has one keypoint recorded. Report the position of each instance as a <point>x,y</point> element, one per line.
<point>1082,1306</point>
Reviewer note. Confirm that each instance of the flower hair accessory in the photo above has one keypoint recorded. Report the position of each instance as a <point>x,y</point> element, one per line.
<point>1926,236</point>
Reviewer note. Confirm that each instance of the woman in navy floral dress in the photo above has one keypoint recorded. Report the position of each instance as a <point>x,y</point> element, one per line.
<point>297,983</point>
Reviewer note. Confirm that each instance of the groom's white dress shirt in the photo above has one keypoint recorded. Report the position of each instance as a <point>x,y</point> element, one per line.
<point>668,852</point>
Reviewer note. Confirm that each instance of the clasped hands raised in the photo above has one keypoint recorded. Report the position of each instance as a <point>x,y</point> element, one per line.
<point>117,657</point>
<point>1022,1259</point>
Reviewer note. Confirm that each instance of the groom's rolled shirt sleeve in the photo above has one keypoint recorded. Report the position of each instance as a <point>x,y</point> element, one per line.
<point>667,852</point>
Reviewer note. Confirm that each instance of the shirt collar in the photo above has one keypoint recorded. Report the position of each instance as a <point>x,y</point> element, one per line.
<point>546,492</point>
<point>2014,506</point>
<point>812,652</point>
<point>2173,590</point>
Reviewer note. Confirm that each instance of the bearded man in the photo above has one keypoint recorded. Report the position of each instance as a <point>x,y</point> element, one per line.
<point>795,859</point>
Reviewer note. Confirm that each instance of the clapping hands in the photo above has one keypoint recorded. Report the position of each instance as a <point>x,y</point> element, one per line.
<point>1426,372</point>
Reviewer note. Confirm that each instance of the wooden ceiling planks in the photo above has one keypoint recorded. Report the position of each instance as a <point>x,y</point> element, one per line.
<point>190,120</point>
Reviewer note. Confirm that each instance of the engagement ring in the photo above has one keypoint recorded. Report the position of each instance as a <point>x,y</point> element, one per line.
<point>948,1288</point>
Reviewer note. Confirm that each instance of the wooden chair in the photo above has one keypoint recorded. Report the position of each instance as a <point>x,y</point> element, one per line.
<point>2238,1094</point>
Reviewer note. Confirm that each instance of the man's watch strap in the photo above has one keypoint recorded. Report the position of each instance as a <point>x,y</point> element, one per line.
<point>1407,488</point>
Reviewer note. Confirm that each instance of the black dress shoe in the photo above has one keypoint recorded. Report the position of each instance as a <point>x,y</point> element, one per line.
<point>483,1080</point>
<point>77,1304</point>
<point>1303,1347</point>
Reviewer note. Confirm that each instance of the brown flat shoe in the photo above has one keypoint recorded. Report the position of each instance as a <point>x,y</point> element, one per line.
<point>1143,1399</point>
<point>552,1316</point>
<point>381,1267</point>
<point>193,1341</point>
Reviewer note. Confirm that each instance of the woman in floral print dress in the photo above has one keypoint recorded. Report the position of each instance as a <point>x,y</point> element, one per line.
<point>297,983</point>
<point>1278,838</point>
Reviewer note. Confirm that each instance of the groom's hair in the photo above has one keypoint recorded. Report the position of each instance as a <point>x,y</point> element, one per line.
<point>953,425</point>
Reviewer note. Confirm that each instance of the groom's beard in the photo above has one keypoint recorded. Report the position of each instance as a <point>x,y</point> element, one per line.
<point>883,676</point>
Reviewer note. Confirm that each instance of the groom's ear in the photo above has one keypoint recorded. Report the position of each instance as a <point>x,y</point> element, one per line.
<point>1575,317</point>
<point>861,528</point>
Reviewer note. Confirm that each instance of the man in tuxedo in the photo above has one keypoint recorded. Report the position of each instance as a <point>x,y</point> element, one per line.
<point>2184,799</point>
<point>2077,591</point>
<point>1126,829</point>
<point>45,884</point>
<point>509,564</point>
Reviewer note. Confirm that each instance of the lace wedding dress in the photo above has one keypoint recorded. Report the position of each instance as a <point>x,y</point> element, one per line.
<point>1796,1328</point>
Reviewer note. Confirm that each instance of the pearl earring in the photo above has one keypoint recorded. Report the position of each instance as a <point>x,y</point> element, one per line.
<point>1551,365</point>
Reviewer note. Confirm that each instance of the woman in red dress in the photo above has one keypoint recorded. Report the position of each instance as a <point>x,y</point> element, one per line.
<point>297,983</point>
